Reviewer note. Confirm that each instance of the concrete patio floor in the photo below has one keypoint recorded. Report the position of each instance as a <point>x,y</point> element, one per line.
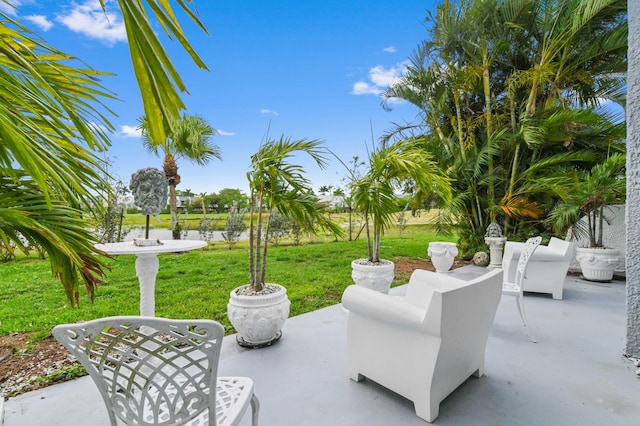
<point>574,375</point>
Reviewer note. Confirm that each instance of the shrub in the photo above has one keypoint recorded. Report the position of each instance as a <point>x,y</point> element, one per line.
<point>235,226</point>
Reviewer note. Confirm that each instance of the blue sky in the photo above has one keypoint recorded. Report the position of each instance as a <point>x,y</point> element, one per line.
<point>308,69</point>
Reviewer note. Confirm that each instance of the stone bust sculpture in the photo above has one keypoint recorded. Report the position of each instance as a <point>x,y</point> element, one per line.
<point>493,230</point>
<point>150,190</point>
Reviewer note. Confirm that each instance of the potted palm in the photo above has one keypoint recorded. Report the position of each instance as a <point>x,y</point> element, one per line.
<point>374,196</point>
<point>582,212</point>
<point>259,309</point>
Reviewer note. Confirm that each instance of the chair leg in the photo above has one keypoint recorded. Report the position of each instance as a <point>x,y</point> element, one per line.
<point>520,303</point>
<point>255,410</point>
<point>426,408</point>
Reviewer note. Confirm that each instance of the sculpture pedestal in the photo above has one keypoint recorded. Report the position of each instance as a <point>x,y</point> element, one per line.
<point>496,245</point>
<point>147,265</point>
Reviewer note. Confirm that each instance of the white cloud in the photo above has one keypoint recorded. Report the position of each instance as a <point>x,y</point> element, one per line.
<point>385,77</point>
<point>268,111</point>
<point>130,131</point>
<point>89,19</point>
<point>40,21</point>
<point>364,88</point>
<point>223,133</point>
<point>390,49</point>
<point>380,78</point>
<point>8,9</point>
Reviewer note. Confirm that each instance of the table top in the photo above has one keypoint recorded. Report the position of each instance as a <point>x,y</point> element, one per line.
<point>168,246</point>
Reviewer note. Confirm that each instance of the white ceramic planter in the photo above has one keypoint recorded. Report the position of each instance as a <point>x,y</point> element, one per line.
<point>258,319</point>
<point>374,276</point>
<point>597,264</point>
<point>442,255</point>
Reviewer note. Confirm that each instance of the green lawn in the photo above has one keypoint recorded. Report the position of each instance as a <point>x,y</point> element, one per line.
<point>195,284</point>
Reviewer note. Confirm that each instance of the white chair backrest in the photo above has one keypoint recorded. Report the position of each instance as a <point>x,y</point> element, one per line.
<point>149,371</point>
<point>419,293</point>
<point>566,248</point>
<point>529,247</point>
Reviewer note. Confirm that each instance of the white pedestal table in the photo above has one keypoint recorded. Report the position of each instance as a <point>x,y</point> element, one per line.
<point>147,264</point>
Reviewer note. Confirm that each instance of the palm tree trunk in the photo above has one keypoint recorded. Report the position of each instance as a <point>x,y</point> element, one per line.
<point>252,254</point>
<point>173,206</point>
<point>516,160</point>
<point>263,270</point>
<point>591,222</point>
<point>601,227</point>
<point>487,101</point>
<point>376,241</point>
<point>171,172</point>
<point>369,247</point>
<point>456,94</point>
<point>258,266</point>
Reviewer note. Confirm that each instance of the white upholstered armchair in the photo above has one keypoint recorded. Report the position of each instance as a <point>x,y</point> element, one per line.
<point>547,267</point>
<point>425,344</point>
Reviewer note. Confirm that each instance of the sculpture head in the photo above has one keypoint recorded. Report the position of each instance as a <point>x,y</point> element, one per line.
<point>493,230</point>
<point>150,190</point>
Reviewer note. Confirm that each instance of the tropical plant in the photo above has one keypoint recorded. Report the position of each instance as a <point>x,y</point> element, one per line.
<point>279,228</point>
<point>374,193</point>
<point>275,184</point>
<point>51,125</point>
<point>201,202</point>
<point>108,220</point>
<point>588,194</point>
<point>227,198</point>
<point>324,189</point>
<point>234,226</point>
<point>353,173</point>
<point>508,87</point>
<point>191,139</point>
<point>206,229</point>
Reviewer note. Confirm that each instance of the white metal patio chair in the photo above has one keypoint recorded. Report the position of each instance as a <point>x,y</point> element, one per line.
<point>515,288</point>
<point>157,371</point>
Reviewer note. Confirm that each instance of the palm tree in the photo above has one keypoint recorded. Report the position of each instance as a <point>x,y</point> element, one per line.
<point>588,193</point>
<point>276,185</point>
<point>374,193</point>
<point>190,138</point>
<point>51,121</point>
<point>506,87</point>
<point>204,204</point>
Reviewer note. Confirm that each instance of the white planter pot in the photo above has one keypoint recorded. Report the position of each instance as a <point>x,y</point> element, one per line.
<point>375,276</point>
<point>258,319</point>
<point>597,264</point>
<point>442,255</point>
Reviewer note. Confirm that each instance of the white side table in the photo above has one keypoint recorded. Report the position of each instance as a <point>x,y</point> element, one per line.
<point>147,265</point>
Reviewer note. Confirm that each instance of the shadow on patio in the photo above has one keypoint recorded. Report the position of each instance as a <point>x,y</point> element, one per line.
<point>574,375</point>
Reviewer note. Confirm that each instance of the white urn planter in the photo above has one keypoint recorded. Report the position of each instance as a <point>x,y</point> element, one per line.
<point>597,264</point>
<point>258,319</point>
<point>442,255</point>
<point>375,276</point>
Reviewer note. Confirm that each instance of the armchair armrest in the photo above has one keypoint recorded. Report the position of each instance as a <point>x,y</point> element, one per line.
<point>546,254</point>
<point>559,251</point>
<point>382,307</point>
